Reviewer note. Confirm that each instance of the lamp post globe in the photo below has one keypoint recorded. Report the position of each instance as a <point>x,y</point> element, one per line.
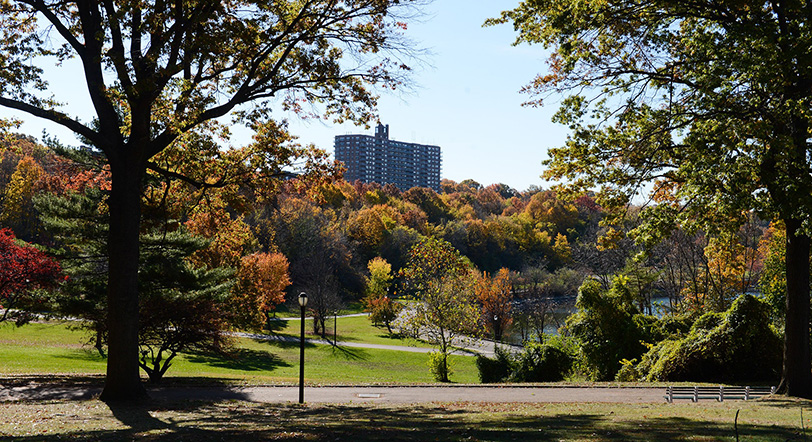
<point>302,299</point>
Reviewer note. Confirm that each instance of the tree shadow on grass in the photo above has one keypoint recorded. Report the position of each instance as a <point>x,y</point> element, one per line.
<point>50,387</point>
<point>230,420</point>
<point>284,343</point>
<point>241,359</point>
<point>781,401</point>
<point>83,354</point>
<point>398,338</point>
<point>350,353</point>
<point>274,326</point>
<point>137,417</point>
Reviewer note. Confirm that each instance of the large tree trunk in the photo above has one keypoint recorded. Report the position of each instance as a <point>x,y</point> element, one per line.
<point>797,372</point>
<point>123,382</point>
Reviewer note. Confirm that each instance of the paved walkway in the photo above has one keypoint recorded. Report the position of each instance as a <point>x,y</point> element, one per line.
<point>284,338</point>
<point>38,390</point>
<point>403,395</point>
<point>484,347</point>
<point>297,318</point>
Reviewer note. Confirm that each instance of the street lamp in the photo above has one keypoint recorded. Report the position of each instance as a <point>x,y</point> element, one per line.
<point>302,304</point>
<point>335,329</point>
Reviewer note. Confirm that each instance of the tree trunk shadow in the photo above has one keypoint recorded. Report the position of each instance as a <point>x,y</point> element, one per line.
<point>137,416</point>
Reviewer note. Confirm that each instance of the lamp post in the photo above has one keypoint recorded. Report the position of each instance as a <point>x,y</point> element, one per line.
<point>302,304</point>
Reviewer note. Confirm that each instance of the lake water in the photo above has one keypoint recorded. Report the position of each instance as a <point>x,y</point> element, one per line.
<point>566,307</point>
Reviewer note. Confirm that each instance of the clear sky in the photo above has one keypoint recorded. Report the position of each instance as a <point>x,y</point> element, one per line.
<point>466,99</point>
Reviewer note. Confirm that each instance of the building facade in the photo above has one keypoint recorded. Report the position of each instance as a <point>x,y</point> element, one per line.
<point>377,159</point>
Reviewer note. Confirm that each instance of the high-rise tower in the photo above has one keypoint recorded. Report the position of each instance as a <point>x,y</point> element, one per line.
<point>377,159</point>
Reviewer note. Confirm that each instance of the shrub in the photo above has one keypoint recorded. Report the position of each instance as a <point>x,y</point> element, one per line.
<point>495,370</point>
<point>708,321</point>
<point>606,328</point>
<point>647,325</point>
<point>629,371</point>
<point>537,363</point>
<point>541,363</point>
<point>672,326</point>
<point>440,366</point>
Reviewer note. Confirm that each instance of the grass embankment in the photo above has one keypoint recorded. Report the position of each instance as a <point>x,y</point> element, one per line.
<point>53,347</point>
<point>773,420</point>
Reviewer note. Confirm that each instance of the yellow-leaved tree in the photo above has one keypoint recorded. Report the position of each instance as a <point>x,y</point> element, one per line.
<point>17,208</point>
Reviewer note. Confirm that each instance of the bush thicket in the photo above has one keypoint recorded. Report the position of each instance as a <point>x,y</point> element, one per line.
<point>497,369</point>
<point>536,363</point>
<point>606,328</point>
<point>541,363</point>
<point>739,345</point>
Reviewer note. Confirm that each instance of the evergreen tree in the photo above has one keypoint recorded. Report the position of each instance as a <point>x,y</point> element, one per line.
<point>182,306</point>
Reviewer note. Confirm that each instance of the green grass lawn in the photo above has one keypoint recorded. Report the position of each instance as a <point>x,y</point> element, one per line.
<point>91,420</point>
<point>285,311</point>
<point>353,329</point>
<point>53,347</point>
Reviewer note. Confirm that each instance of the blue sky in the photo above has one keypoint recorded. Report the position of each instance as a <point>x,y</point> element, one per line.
<point>466,99</point>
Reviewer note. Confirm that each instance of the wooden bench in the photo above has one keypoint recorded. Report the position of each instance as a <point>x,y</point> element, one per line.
<point>719,393</point>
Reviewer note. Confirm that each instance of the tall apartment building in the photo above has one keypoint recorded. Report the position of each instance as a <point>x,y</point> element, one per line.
<point>377,159</point>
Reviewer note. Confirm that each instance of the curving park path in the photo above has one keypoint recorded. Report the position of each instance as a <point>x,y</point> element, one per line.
<point>471,347</point>
<point>483,347</point>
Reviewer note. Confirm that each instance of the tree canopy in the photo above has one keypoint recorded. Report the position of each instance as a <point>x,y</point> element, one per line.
<point>707,102</point>
<point>189,234</point>
<point>157,71</point>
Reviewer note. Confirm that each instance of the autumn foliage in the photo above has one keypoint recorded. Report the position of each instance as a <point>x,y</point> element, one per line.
<point>381,307</point>
<point>261,282</point>
<point>23,271</point>
<point>472,260</point>
<point>494,294</point>
<point>17,209</point>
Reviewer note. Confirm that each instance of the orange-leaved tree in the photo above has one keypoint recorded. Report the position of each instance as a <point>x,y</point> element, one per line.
<point>495,296</point>
<point>17,207</point>
<point>261,282</point>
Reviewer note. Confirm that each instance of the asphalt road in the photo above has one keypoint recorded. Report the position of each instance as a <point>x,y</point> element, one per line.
<point>403,395</point>
<point>39,390</point>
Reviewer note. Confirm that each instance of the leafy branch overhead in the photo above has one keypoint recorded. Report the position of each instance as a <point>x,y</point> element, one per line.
<point>193,62</point>
<point>698,98</point>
